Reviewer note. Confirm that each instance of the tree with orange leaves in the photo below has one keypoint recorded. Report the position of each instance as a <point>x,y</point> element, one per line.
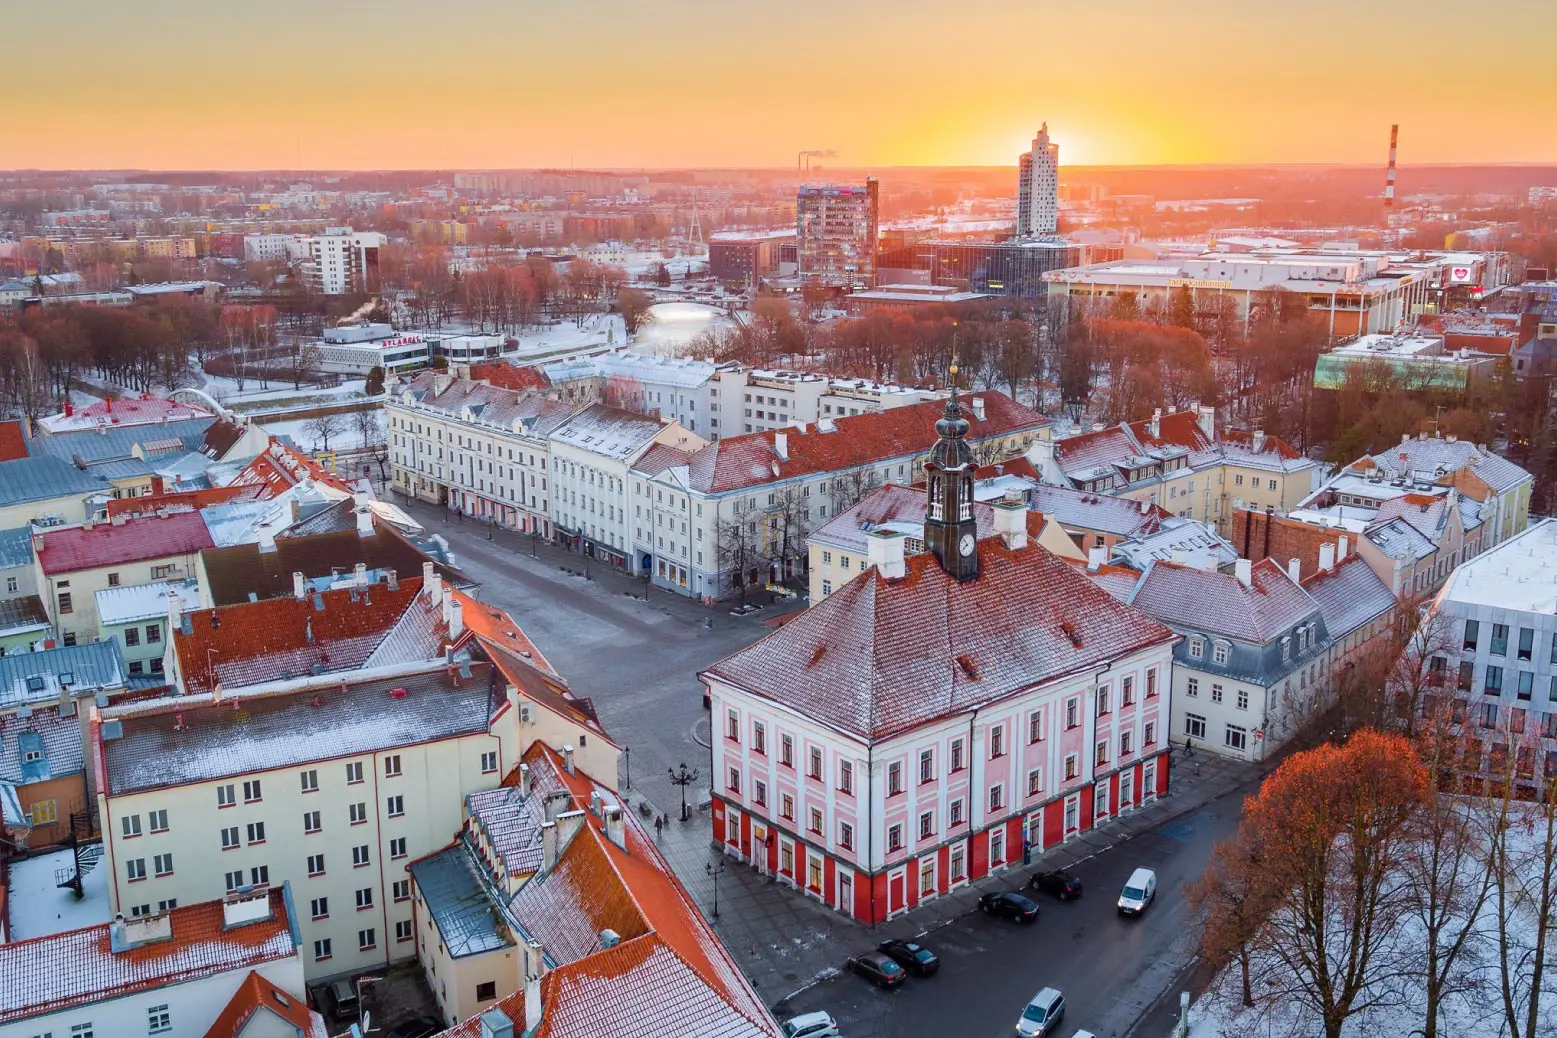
<point>1321,845</point>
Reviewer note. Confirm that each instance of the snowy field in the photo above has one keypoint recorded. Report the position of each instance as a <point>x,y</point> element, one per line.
<point>39,908</point>
<point>556,341</point>
<point>226,392</point>
<point>347,435</point>
<point>674,325</point>
<point>1473,1010</point>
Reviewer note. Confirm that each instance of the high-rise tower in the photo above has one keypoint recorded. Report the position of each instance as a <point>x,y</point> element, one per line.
<point>1038,185</point>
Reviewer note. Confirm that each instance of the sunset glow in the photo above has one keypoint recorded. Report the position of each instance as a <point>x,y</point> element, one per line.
<point>605,83</point>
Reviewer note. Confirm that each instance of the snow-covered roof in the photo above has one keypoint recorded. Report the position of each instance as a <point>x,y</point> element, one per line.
<point>1520,573</point>
<point>608,431</point>
<point>123,605</point>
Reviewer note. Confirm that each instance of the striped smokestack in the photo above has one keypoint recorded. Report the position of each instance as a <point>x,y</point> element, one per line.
<point>1389,177</point>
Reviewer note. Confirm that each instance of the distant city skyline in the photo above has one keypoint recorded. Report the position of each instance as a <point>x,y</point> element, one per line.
<point>184,84</point>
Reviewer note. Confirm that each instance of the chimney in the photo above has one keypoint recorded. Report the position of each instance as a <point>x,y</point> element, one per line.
<point>456,619</point>
<point>1295,570</point>
<point>267,541</point>
<point>548,845</point>
<point>1326,557</point>
<point>1097,555</point>
<point>86,524</point>
<point>534,970</point>
<point>1245,571</point>
<point>364,513</point>
<point>781,445</point>
<point>1340,551</point>
<point>124,934</point>
<point>555,800</point>
<point>299,585</point>
<point>1179,555</point>
<point>1156,424</point>
<point>1405,437</point>
<point>977,403</point>
<point>567,758</point>
<point>1011,520</point>
<point>524,780</point>
<point>1259,440</point>
<point>568,824</point>
<point>616,826</point>
<point>432,584</point>
<point>119,518</point>
<point>360,574</point>
<point>393,579</point>
<point>1097,426</point>
<point>885,548</point>
<point>1208,422</point>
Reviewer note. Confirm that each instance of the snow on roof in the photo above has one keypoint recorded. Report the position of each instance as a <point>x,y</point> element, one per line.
<point>1432,458</point>
<point>40,746</point>
<point>50,974</point>
<point>126,411</point>
<point>1349,594</point>
<point>179,741</point>
<point>36,677</point>
<point>880,657</point>
<point>36,904</point>
<point>1220,603</point>
<point>123,605</point>
<point>1520,573</point>
<point>608,431</point>
<point>450,884</point>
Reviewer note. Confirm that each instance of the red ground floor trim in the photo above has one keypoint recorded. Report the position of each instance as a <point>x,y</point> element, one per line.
<point>805,863</point>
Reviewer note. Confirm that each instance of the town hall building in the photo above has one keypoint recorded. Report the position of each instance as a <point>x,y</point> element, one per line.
<point>943,715</point>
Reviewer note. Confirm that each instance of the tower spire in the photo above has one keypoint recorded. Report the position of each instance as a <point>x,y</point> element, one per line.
<point>949,530</point>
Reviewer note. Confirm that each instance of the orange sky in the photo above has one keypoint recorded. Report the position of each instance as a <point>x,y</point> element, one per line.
<point>622,83</point>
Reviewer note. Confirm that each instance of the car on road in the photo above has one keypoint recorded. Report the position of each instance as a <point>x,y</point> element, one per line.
<point>1042,1015</point>
<point>1011,905</point>
<point>1139,891</point>
<point>1063,885</point>
<point>421,1027</point>
<point>342,997</point>
<point>878,969</point>
<point>915,958</point>
<point>810,1025</point>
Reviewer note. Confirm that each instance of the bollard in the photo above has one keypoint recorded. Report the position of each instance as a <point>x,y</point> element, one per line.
<point>1183,1028</point>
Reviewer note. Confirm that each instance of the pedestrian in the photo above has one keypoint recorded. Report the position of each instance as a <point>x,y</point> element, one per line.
<point>659,825</point>
<point>1189,748</point>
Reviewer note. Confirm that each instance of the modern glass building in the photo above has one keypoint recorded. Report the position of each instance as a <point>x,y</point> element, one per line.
<point>1008,268</point>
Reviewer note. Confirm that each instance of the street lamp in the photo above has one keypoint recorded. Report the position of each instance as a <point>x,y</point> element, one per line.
<point>683,778</point>
<point>715,871</point>
<point>627,763</point>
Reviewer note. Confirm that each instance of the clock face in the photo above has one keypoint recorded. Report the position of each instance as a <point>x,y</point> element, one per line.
<point>966,544</point>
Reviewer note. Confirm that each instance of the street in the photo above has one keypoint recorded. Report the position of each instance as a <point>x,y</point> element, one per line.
<point>1110,968</point>
<point>638,661</point>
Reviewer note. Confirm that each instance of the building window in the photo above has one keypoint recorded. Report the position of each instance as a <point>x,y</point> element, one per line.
<point>1072,709</point>
<point>846,836</point>
<point>1494,684</point>
<point>310,822</point>
<point>489,762</point>
<point>310,781</point>
<point>157,821</point>
<point>64,602</point>
<point>1236,738</point>
<point>224,795</point>
<point>397,847</point>
<point>367,939</point>
<point>364,898</point>
<point>401,890</point>
<point>320,907</point>
<point>130,825</point>
<point>1100,753</point>
<point>732,726</point>
<point>815,770</point>
<point>395,806</point>
<point>997,847</point>
<point>321,949</point>
<point>735,781</point>
<point>787,807</point>
<point>1219,654</point>
<point>997,741</point>
<point>230,838</point>
<point>955,813</point>
<point>1243,699</point>
<point>926,766</point>
<point>132,636</point>
<point>1472,635</point>
<point>759,792</point>
<point>1035,782</point>
<point>1467,676</point>
<point>353,772</point>
<point>787,750</point>
<point>1070,765</point>
<point>316,864</point>
<point>251,791</point>
<point>135,869</point>
<point>1526,684</point>
<point>926,825</point>
<point>1151,683</point>
<point>403,932</point>
<point>1149,733</point>
<point>358,813</point>
<point>1197,649</point>
<point>360,856</point>
<point>816,820</point>
<point>168,905</point>
<point>846,777</point>
<point>759,737</point>
<point>163,864</point>
<point>233,880</point>
<point>1499,645</point>
<point>1194,726</point>
<point>956,755</point>
<point>256,832</point>
<point>997,797</point>
<point>158,1019</point>
<point>1102,701</point>
<point>1127,692</point>
<point>1216,693</point>
<point>259,874</point>
<point>392,765</point>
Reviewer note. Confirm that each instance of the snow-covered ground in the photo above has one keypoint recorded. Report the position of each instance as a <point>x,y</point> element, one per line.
<point>557,341</point>
<point>39,908</point>
<point>1473,1010</point>
<point>226,392</point>
<point>674,325</point>
<point>347,436</point>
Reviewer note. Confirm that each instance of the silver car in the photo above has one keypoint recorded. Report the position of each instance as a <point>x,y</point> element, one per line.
<point>1042,1015</point>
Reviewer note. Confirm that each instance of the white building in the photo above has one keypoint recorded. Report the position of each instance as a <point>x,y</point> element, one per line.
<point>592,454</point>
<point>342,261</point>
<point>176,972</point>
<point>1038,187</point>
<point>1499,617</point>
<point>357,349</point>
<point>274,248</point>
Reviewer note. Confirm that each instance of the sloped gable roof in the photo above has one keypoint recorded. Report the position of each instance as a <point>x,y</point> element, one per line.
<point>257,995</point>
<point>1220,604</point>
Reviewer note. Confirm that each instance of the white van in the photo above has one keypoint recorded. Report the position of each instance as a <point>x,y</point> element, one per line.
<point>1138,892</point>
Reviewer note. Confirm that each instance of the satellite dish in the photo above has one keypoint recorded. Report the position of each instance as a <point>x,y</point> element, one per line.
<point>367,1022</point>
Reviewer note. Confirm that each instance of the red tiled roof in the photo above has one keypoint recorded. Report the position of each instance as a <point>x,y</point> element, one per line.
<point>281,467</point>
<point>1273,444</point>
<point>62,971</point>
<point>237,644</point>
<point>510,376</point>
<point>220,437</point>
<point>1179,429</point>
<point>752,459</point>
<point>141,410</point>
<point>13,441</point>
<point>133,540</point>
<point>877,658</point>
<point>670,975</point>
<point>256,994</point>
<point>1011,467</point>
<point>1095,449</point>
<point>183,500</point>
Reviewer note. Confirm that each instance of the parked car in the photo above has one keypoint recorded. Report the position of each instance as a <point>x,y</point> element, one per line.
<point>1042,1015</point>
<point>1138,892</point>
<point>810,1025</point>
<point>421,1027</point>
<point>343,999</point>
<point>915,958</point>
<point>1061,884</point>
<point>878,969</point>
<point>1011,905</point>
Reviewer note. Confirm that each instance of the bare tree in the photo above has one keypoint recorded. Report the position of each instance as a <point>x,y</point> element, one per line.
<point>369,424</point>
<point>634,307</point>
<point>788,522</point>
<point>322,427</point>
<point>303,363</point>
<point>739,547</point>
<point>1235,902</point>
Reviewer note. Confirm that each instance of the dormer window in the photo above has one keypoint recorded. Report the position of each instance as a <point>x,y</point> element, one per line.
<point>1286,646</point>
<point>1197,649</point>
<point>1219,654</point>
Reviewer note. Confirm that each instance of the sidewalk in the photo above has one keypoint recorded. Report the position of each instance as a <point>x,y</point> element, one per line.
<point>785,940</point>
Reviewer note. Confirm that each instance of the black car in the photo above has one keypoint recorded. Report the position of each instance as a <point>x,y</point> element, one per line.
<point>1010,904</point>
<point>878,969</point>
<point>1060,883</point>
<point>421,1027</point>
<point>915,958</point>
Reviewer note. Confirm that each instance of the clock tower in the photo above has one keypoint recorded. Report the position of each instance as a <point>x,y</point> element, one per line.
<point>949,528</point>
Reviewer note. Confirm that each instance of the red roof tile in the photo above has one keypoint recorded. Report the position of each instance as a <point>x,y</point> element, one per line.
<point>1221,604</point>
<point>13,441</point>
<point>281,467</point>
<point>183,500</point>
<point>510,376</point>
<point>257,994</point>
<point>133,540</point>
<point>1272,444</point>
<point>1178,429</point>
<point>251,641</point>
<point>857,440</point>
<point>61,971</point>
<point>877,658</point>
